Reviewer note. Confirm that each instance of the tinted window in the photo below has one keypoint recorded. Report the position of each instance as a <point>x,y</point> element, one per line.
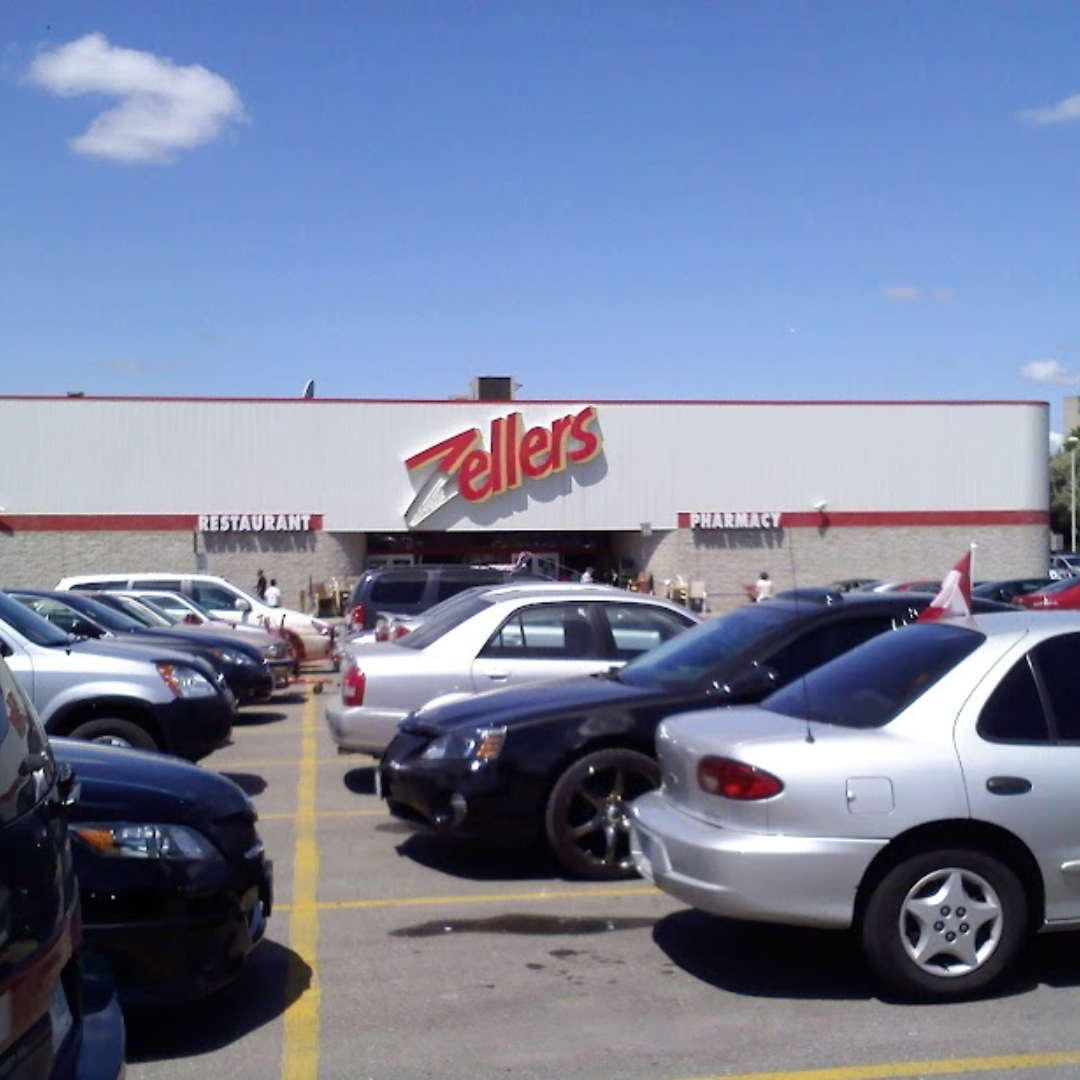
<point>442,619</point>
<point>545,631</point>
<point>1014,712</point>
<point>172,583</point>
<point>30,625</point>
<point>874,683</point>
<point>26,765</point>
<point>452,582</point>
<point>702,654</point>
<point>211,597</point>
<point>399,588</point>
<point>820,644</point>
<point>636,628</point>
<point>1057,661</point>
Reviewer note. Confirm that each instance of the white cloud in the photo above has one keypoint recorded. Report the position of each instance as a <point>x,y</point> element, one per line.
<point>163,108</point>
<point>913,294</point>
<point>1049,371</point>
<point>1063,112</point>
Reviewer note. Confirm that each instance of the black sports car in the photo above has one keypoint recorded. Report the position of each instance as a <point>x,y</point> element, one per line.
<point>175,886</point>
<point>559,762</point>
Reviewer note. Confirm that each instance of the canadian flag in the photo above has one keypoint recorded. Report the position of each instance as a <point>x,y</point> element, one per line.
<point>954,597</point>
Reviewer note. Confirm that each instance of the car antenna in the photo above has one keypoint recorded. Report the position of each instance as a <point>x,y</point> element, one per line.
<point>820,508</point>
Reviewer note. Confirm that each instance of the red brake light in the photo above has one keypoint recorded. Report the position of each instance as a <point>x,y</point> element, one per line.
<point>736,780</point>
<point>353,683</point>
<point>356,617</point>
<point>400,631</point>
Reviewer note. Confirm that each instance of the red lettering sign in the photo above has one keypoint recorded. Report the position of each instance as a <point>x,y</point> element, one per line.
<point>513,454</point>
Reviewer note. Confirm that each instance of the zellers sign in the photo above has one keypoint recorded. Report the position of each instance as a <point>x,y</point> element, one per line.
<point>462,466</point>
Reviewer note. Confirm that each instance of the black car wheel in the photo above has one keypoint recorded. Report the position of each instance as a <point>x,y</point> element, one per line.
<point>945,924</point>
<point>116,733</point>
<point>587,819</point>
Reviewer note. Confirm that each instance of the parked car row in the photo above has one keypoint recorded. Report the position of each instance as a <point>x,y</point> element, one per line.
<point>174,886</point>
<point>826,759</point>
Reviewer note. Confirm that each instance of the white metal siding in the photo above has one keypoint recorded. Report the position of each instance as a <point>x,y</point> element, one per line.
<point>345,459</point>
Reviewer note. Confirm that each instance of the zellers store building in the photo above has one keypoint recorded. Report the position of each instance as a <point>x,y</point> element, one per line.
<point>679,494</point>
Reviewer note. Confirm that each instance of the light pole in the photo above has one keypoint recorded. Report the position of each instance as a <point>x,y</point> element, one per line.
<point>1072,441</point>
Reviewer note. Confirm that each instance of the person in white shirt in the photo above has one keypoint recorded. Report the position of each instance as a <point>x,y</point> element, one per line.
<point>587,577</point>
<point>763,588</point>
<point>273,594</point>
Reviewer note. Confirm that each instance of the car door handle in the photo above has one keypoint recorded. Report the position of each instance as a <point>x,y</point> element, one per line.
<point>498,676</point>
<point>1008,785</point>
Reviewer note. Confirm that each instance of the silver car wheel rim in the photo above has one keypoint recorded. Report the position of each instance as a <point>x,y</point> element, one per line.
<point>608,821</point>
<point>951,922</point>
<point>111,740</point>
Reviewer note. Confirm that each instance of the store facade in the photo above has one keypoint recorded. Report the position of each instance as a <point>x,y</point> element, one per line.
<point>313,491</point>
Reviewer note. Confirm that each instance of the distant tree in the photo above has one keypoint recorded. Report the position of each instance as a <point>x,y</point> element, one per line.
<point>1061,494</point>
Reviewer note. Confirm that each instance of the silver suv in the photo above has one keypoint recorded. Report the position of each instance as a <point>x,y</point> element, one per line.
<point>142,696</point>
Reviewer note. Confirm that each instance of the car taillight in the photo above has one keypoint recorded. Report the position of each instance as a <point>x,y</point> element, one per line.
<point>736,780</point>
<point>400,631</point>
<point>353,683</point>
<point>382,629</point>
<point>356,617</point>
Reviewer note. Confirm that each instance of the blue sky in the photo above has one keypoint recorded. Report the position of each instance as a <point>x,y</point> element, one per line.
<point>739,199</point>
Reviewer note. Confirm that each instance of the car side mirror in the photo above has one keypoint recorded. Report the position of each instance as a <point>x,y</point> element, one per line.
<point>242,605</point>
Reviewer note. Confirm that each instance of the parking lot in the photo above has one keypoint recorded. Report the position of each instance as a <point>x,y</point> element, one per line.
<point>393,956</point>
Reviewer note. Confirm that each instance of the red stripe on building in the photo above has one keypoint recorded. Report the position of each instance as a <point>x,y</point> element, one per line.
<point>887,519</point>
<point>120,523</point>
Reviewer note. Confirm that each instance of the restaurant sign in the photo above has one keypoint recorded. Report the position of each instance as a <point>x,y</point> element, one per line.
<point>462,465</point>
<point>259,522</point>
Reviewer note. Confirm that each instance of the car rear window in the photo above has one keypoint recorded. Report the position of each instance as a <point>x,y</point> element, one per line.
<point>444,619</point>
<point>400,587</point>
<point>871,685</point>
<point>705,652</point>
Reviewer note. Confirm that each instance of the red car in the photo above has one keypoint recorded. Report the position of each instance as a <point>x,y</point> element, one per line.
<point>1064,594</point>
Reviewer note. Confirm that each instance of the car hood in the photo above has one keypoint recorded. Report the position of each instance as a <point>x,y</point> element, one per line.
<point>118,784</point>
<point>518,705</point>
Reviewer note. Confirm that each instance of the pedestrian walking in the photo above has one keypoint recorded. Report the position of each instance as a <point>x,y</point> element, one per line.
<point>260,585</point>
<point>272,595</point>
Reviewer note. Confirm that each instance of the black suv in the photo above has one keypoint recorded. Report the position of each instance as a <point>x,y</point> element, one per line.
<point>411,590</point>
<point>559,762</point>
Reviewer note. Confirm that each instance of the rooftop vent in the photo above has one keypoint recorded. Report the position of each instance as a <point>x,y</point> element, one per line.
<point>493,388</point>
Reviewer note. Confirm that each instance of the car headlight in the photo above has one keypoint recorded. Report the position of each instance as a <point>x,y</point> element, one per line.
<point>185,682</point>
<point>278,650</point>
<point>229,656</point>
<point>472,744</point>
<point>320,627</point>
<point>142,841</point>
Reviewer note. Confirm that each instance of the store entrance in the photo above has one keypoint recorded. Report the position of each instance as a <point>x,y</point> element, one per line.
<point>564,556</point>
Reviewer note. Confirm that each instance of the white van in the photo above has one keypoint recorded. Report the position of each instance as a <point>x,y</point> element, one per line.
<point>222,598</point>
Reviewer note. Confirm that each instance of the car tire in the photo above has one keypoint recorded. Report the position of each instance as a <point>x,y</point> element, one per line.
<point>587,820</point>
<point>116,733</point>
<point>945,924</point>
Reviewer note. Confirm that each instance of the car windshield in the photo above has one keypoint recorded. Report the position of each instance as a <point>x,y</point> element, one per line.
<point>30,625</point>
<point>444,617</point>
<point>875,682</point>
<point>102,614</point>
<point>701,653</point>
<point>1064,585</point>
<point>138,612</point>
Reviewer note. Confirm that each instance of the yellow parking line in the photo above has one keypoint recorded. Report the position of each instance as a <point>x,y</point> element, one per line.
<point>291,763</point>
<point>300,1042</point>
<point>584,893</point>
<point>944,1067</point>
<point>381,812</point>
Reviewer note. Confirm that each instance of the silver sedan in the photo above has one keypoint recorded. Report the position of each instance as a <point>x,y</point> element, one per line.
<point>922,789</point>
<point>490,638</point>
